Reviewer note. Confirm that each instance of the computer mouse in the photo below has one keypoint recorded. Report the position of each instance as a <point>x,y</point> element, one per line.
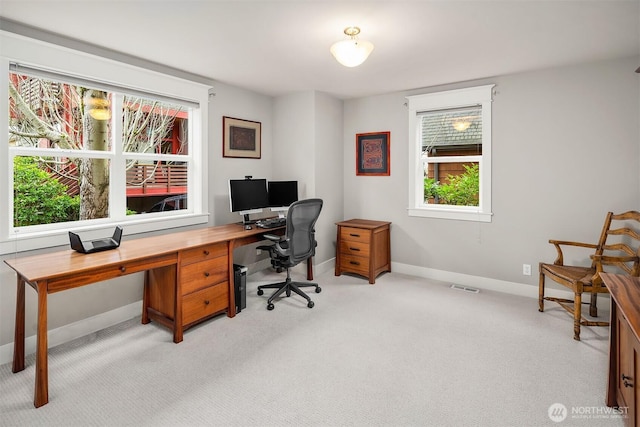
<point>248,227</point>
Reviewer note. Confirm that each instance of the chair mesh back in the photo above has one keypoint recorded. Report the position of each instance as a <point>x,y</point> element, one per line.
<point>301,219</point>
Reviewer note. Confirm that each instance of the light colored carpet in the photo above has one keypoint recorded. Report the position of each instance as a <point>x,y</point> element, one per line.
<point>404,352</point>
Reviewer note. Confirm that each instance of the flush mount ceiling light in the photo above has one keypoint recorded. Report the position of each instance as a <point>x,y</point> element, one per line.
<point>351,52</point>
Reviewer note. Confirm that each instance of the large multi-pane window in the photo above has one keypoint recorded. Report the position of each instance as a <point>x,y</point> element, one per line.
<point>85,152</point>
<point>68,132</point>
<point>450,161</point>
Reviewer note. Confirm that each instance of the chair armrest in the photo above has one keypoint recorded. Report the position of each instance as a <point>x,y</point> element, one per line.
<point>558,243</point>
<point>274,238</point>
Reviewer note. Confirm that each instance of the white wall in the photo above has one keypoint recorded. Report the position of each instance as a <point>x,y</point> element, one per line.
<point>308,147</point>
<point>566,149</point>
<point>328,181</point>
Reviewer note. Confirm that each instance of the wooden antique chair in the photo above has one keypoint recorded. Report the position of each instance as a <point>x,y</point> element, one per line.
<point>617,249</point>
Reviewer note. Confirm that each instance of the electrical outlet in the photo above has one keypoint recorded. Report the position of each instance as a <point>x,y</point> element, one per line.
<point>258,251</point>
<point>526,269</point>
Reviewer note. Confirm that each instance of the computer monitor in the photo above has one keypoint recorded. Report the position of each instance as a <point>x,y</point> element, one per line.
<point>281,195</point>
<point>248,196</point>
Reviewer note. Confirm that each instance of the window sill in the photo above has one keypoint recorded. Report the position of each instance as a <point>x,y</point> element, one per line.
<point>27,242</point>
<point>458,215</point>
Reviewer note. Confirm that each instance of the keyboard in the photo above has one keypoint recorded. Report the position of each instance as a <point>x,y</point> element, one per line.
<point>271,223</point>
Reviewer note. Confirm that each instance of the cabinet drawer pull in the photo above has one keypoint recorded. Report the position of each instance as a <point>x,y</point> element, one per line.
<point>354,235</point>
<point>625,377</point>
<point>123,268</point>
<point>206,253</point>
<point>354,262</point>
<point>628,384</point>
<point>355,249</point>
<point>206,274</point>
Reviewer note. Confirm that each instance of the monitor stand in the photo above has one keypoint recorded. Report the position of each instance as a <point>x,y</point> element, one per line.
<point>246,220</point>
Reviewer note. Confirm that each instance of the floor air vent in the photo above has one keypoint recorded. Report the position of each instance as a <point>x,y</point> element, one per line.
<point>465,288</point>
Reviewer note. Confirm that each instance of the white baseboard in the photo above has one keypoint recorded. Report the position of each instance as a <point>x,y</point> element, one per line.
<point>514,288</point>
<point>75,330</point>
<point>104,320</point>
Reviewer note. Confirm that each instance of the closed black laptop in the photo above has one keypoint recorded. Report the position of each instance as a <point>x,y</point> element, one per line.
<point>97,244</point>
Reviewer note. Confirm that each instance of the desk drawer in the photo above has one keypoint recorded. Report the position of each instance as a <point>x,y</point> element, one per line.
<point>354,263</point>
<point>355,234</point>
<point>203,253</point>
<point>109,272</point>
<point>205,302</point>
<point>354,248</point>
<point>202,274</point>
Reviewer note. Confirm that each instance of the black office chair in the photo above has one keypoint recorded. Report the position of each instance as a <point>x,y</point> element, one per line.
<point>296,245</point>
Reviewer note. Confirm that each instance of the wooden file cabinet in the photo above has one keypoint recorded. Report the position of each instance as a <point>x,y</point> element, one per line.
<point>363,247</point>
<point>203,274</point>
<point>624,351</point>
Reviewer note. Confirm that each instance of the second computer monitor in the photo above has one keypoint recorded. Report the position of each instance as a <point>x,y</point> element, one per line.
<point>282,194</point>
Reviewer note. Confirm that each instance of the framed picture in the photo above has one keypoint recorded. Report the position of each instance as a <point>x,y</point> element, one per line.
<point>373,153</point>
<point>241,138</point>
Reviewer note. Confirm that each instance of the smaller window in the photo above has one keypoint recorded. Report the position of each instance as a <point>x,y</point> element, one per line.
<point>450,159</point>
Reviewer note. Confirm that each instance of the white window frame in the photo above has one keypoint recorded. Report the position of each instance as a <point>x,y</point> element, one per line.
<point>479,95</point>
<point>42,55</point>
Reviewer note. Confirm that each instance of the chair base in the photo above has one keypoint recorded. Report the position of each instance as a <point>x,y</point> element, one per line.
<point>287,287</point>
<point>579,320</point>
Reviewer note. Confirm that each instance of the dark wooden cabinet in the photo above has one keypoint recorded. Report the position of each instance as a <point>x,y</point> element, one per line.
<point>363,247</point>
<point>624,350</point>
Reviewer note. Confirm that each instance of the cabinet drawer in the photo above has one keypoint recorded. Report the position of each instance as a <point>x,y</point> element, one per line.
<point>203,253</point>
<point>355,234</point>
<point>205,302</point>
<point>354,263</point>
<point>202,274</point>
<point>354,248</point>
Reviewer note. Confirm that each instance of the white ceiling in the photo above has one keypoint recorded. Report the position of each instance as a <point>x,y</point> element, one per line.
<point>277,47</point>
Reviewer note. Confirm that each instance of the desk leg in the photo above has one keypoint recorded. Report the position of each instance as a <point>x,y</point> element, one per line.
<point>145,299</point>
<point>612,380</point>
<point>231,309</point>
<point>18,340</point>
<point>310,268</point>
<point>42,370</point>
<point>178,329</point>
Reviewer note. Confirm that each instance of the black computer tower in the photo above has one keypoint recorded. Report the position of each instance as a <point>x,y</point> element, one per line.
<point>240,286</point>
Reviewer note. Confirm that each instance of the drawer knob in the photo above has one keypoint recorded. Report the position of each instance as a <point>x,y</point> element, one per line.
<point>355,249</point>
<point>206,274</point>
<point>354,262</point>
<point>123,268</point>
<point>206,302</point>
<point>206,253</point>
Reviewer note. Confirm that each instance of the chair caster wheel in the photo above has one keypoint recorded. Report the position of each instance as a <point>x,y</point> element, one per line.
<point>318,290</point>
<point>288,293</point>
<point>311,304</point>
<point>260,292</point>
<point>270,306</point>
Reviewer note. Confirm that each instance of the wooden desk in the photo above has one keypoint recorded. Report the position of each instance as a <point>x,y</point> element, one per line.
<point>169,295</point>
